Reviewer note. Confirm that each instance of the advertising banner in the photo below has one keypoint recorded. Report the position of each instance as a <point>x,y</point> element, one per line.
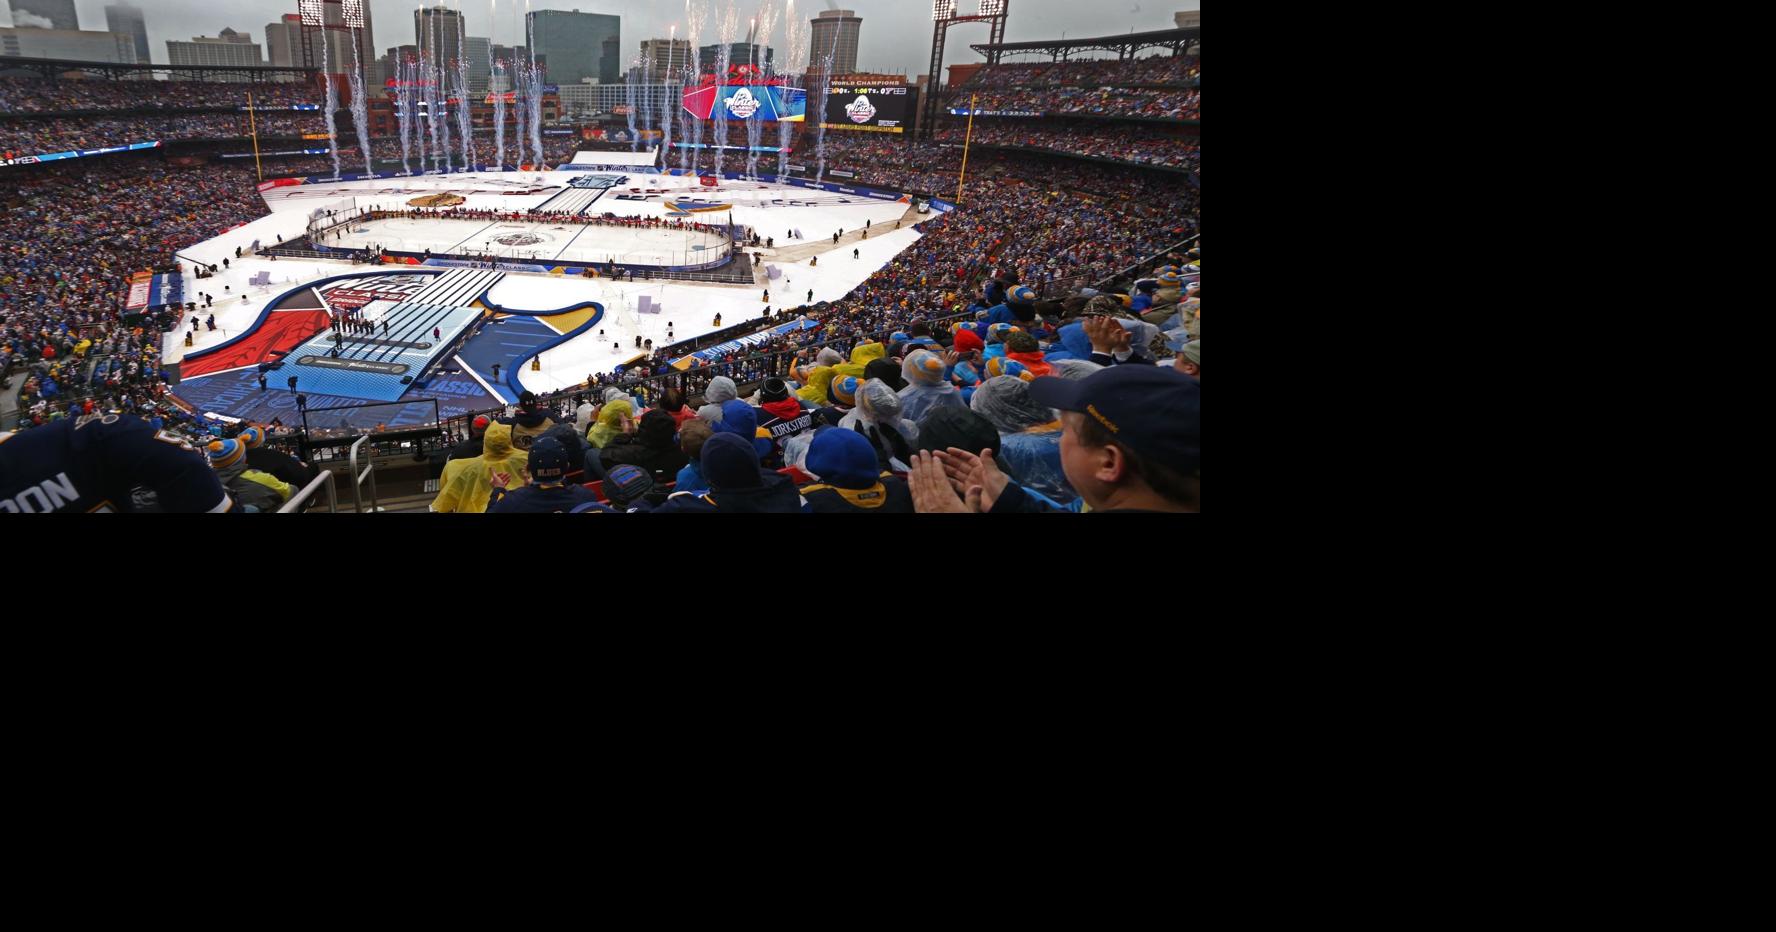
<point>78,153</point>
<point>769,103</point>
<point>735,346</point>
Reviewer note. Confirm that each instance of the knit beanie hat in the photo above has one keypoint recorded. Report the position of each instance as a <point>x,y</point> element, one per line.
<point>226,453</point>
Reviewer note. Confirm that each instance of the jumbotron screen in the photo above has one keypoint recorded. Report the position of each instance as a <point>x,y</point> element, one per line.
<point>874,109</point>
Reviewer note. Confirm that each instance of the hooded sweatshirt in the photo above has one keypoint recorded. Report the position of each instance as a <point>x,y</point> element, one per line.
<point>721,390</point>
<point>653,447</point>
<point>527,426</point>
<point>464,486</point>
<point>781,420</point>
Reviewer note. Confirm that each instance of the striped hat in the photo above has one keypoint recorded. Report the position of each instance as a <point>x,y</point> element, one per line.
<point>226,453</point>
<point>924,366</point>
<point>253,437</point>
<point>1022,294</point>
<point>844,391</point>
<point>997,332</point>
<point>999,365</point>
<point>1170,279</point>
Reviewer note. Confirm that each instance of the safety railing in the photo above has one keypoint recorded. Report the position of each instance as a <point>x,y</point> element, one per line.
<point>301,498</point>
<point>359,477</point>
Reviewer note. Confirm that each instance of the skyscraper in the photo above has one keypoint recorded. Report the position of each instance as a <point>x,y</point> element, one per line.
<point>479,71</point>
<point>835,34</point>
<point>670,56</point>
<point>283,42</point>
<point>436,31</point>
<point>121,17</point>
<point>227,48</point>
<point>578,45</point>
<point>60,13</point>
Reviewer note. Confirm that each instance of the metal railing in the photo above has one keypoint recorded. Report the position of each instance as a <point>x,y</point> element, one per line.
<point>301,498</point>
<point>359,477</point>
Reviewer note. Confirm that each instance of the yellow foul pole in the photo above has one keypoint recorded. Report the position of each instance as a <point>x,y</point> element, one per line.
<point>253,121</point>
<point>966,142</point>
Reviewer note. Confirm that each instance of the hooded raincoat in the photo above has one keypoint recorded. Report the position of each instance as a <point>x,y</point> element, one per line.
<point>465,485</point>
<point>1029,435</point>
<point>610,424</point>
<point>815,391</point>
<point>861,357</point>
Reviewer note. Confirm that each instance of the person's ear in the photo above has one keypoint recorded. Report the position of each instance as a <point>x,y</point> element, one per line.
<point>1110,464</point>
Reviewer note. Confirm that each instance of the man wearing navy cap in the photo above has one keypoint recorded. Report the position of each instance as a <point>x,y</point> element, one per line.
<point>1131,440</point>
<point>548,491</point>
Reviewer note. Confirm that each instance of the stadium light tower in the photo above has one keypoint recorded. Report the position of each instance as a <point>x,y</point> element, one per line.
<point>943,15</point>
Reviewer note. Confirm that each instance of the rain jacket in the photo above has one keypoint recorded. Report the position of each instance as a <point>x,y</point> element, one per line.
<point>255,490</point>
<point>610,425</point>
<point>815,390</point>
<point>465,486</point>
<point>916,401</point>
<point>1032,458</point>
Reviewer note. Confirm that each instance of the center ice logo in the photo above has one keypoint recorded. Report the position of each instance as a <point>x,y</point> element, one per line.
<point>743,104</point>
<point>862,111</point>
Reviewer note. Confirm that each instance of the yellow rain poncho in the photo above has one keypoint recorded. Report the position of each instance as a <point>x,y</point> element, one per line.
<point>465,487</point>
<point>610,424</point>
<point>815,391</point>
<point>863,355</point>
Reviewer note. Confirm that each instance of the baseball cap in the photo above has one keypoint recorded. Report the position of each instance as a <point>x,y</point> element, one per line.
<point>548,460</point>
<point>626,484</point>
<point>1154,411</point>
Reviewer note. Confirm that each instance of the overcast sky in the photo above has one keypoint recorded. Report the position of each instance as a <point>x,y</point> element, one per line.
<point>896,33</point>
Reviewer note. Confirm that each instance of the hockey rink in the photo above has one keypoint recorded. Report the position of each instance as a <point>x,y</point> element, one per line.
<point>537,242</point>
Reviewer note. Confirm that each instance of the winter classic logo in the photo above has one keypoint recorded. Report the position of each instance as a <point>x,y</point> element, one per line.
<point>743,104</point>
<point>862,111</point>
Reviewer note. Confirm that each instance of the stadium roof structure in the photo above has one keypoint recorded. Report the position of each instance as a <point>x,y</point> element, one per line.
<point>1125,46</point>
<point>50,68</point>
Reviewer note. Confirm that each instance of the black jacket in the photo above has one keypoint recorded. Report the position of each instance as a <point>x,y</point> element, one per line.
<point>663,462</point>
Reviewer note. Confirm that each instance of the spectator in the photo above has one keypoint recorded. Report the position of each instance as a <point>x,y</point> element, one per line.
<point>850,479</point>
<point>282,465</point>
<point>549,492</point>
<point>467,484</point>
<point>926,389</point>
<point>691,439</point>
<point>615,420</point>
<point>628,488</point>
<point>1030,436</point>
<point>254,491</point>
<point>720,391</point>
<point>736,483</point>
<point>474,446</point>
<point>1133,442</point>
<point>877,417</point>
<point>652,447</point>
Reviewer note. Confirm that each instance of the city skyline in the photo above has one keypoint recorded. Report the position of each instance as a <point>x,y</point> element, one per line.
<point>892,40</point>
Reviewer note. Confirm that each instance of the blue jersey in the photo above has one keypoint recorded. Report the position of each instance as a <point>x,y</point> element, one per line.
<point>90,464</point>
<point>535,499</point>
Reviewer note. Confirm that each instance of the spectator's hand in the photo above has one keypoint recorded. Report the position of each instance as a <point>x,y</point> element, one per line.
<point>985,482</point>
<point>932,493</point>
<point>499,480</point>
<point>1107,336</point>
<point>949,358</point>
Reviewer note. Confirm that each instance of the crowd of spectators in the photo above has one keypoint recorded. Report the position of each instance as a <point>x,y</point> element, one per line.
<point>36,136</point>
<point>1162,69</point>
<point>91,227</point>
<point>1143,103</point>
<point>32,95</point>
<point>1118,142</point>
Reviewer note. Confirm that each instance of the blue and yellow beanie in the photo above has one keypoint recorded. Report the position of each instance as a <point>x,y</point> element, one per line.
<point>226,453</point>
<point>1022,294</point>
<point>253,437</point>
<point>844,391</point>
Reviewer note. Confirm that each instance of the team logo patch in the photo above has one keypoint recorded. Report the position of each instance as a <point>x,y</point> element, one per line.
<point>861,110</point>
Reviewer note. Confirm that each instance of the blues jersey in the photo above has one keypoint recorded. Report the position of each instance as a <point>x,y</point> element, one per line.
<point>90,464</point>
